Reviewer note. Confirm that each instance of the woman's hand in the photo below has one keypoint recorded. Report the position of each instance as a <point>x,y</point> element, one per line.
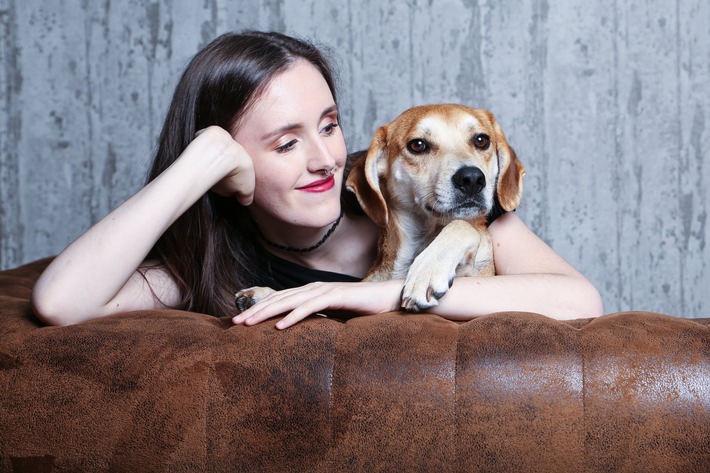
<point>300,302</point>
<point>239,180</point>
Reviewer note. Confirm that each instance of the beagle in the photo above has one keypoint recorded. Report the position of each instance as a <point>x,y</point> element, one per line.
<point>429,179</point>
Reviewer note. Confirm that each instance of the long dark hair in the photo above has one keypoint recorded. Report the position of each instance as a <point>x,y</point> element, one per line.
<point>209,251</point>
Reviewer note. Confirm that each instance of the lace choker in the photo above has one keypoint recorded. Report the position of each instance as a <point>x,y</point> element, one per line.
<point>303,250</point>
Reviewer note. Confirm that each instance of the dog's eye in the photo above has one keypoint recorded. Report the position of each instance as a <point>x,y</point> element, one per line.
<point>417,146</point>
<point>481,141</point>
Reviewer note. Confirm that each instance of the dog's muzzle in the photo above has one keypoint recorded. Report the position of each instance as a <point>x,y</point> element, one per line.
<point>467,200</point>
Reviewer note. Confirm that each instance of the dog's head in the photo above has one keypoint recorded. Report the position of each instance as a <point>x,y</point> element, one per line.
<point>445,161</point>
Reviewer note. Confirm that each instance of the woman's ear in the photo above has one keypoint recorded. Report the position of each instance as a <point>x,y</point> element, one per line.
<point>364,179</point>
<point>510,173</point>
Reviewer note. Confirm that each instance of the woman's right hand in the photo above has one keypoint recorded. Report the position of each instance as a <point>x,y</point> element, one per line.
<point>240,180</point>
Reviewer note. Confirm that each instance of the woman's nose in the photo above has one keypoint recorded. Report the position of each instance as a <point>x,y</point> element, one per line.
<point>320,156</point>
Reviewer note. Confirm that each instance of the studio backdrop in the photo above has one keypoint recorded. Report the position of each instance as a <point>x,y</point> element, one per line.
<point>607,104</point>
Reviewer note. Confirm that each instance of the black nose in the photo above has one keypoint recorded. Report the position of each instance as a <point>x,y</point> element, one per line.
<point>469,180</point>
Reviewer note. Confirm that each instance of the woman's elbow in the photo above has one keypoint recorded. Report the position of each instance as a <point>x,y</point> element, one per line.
<point>51,310</point>
<point>596,303</point>
<point>44,310</point>
<point>584,300</point>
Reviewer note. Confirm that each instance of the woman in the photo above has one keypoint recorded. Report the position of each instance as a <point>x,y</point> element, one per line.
<point>245,190</point>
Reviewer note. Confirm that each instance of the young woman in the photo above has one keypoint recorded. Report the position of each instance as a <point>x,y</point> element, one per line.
<point>245,190</point>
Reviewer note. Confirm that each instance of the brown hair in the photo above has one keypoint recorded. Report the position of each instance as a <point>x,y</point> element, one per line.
<point>208,250</point>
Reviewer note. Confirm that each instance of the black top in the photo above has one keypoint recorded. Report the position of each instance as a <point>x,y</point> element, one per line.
<point>278,273</point>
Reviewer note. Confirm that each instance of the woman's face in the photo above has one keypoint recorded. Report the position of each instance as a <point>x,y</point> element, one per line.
<point>291,133</point>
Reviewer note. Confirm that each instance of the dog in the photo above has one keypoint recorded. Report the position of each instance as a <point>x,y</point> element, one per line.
<point>429,180</point>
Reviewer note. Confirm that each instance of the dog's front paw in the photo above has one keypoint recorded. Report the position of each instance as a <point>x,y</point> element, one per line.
<point>248,297</point>
<point>424,286</point>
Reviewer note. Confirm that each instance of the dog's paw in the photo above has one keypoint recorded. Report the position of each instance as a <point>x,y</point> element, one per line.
<point>424,287</point>
<point>248,297</point>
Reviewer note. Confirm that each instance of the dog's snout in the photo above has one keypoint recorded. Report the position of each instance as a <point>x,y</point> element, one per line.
<point>469,180</point>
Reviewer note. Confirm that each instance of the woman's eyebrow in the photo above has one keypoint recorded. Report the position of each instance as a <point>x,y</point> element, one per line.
<point>296,126</point>
<point>281,131</point>
<point>333,109</point>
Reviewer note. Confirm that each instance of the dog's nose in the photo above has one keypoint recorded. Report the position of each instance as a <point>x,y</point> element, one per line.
<point>469,180</point>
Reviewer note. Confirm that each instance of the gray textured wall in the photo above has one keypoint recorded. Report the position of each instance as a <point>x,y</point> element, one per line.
<point>606,102</point>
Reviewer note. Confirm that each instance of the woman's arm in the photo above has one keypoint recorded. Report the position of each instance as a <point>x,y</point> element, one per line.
<point>531,277</point>
<point>97,274</point>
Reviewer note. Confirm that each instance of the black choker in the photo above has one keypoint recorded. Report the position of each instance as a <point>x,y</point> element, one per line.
<point>302,250</point>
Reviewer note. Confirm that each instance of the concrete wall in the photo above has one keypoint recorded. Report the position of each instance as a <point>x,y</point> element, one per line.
<point>606,102</point>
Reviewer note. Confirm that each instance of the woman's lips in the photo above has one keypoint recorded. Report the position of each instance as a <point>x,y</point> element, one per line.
<point>321,185</point>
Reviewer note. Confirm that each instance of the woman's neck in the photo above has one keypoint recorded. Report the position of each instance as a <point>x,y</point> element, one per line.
<point>301,248</point>
<point>350,249</point>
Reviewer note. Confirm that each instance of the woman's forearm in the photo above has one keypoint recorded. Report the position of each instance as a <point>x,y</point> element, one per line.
<point>559,296</point>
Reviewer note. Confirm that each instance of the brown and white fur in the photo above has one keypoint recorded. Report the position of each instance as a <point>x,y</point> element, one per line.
<point>429,179</point>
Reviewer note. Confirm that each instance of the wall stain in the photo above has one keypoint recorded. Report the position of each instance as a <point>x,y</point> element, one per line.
<point>471,84</point>
<point>635,95</point>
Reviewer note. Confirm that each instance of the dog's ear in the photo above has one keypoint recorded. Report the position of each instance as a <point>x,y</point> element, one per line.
<point>510,173</point>
<point>364,179</point>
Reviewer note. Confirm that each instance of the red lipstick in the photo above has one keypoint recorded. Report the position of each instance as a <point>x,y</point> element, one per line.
<point>320,185</point>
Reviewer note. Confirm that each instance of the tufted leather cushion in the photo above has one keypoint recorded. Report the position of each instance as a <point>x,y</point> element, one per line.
<point>177,391</point>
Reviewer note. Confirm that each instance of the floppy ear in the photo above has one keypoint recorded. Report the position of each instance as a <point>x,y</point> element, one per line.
<point>510,173</point>
<point>364,179</point>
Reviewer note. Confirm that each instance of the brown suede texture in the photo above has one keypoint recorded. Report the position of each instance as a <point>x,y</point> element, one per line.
<point>173,391</point>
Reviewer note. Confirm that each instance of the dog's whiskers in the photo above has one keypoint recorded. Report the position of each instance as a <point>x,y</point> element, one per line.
<point>433,204</point>
<point>432,195</point>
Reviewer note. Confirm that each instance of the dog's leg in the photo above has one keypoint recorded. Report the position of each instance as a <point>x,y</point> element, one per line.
<point>248,297</point>
<point>460,249</point>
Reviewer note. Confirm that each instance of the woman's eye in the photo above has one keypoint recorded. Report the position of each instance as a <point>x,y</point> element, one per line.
<point>329,129</point>
<point>287,147</point>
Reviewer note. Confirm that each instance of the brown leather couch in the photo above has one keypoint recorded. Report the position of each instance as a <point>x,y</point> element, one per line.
<point>171,391</point>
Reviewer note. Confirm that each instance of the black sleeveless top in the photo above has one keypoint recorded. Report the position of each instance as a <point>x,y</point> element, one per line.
<point>278,273</point>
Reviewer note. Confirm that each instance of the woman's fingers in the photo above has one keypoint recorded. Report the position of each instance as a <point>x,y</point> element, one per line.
<point>301,302</point>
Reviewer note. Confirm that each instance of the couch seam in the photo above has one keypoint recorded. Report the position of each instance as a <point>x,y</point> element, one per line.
<point>210,375</point>
<point>584,400</point>
<point>331,395</point>
<point>455,406</point>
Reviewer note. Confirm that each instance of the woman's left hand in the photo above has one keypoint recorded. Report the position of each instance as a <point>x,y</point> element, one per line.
<point>300,302</point>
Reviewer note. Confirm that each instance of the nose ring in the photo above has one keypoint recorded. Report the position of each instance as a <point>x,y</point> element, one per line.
<point>330,172</point>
